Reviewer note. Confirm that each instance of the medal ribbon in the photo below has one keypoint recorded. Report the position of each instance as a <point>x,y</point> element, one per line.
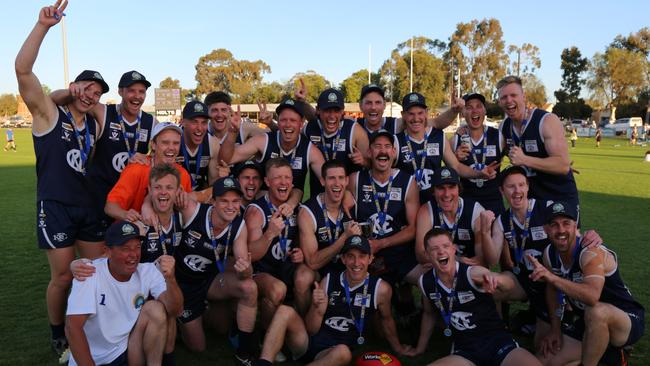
<point>126,139</point>
<point>221,264</point>
<point>285,233</point>
<point>561,297</point>
<point>481,165</point>
<point>454,228</point>
<point>291,153</point>
<point>335,142</point>
<point>419,172</point>
<point>84,146</point>
<point>446,313</point>
<point>162,237</point>
<point>519,249</point>
<point>381,214</point>
<point>362,317</point>
<point>186,160</point>
<point>337,228</point>
<point>515,137</point>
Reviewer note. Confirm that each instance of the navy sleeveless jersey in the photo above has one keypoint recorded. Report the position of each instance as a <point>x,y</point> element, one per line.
<point>152,245</point>
<point>388,123</point>
<point>275,257</point>
<point>542,185</point>
<point>614,292</point>
<point>474,315</point>
<point>188,159</point>
<point>535,244</point>
<point>313,206</point>
<point>486,151</point>
<point>338,324</point>
<point>298,157</point>
<point>430,150</point>
<point>59,164</point>
<point>111,154</point>
<point>366,209</point>
<point>195,257</point>
<point>314,131</point>
<point>463,235</point>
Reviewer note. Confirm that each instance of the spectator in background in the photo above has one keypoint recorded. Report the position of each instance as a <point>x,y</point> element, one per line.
<point>11,144</point>
<point>574,137</point>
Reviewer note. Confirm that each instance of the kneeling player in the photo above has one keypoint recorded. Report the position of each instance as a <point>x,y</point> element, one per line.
<point>341,304</point>
<point>462,295</point>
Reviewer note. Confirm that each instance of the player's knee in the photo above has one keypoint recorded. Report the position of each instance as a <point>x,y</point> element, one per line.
<point>596,315</point>
<point>276,293</point>
<point>286,312</point>
<point>248,288</point>
<point>304,278</point>
<point>155,312</point>
<point>62,280</point>
<point>343,354</point>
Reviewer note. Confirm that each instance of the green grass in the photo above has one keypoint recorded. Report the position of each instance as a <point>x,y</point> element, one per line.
<point>615,200</point>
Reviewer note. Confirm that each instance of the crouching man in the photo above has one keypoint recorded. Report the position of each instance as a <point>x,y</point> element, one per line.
<point>109,320</point>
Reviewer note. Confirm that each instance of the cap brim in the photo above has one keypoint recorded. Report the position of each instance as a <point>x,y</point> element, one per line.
<point>131,82</point>
<point>124,239</point>
<point>282,107</point>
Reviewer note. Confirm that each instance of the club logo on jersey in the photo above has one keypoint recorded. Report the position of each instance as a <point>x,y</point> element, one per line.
<point>433,149</point>
<point>333,296</point>
<point>465,296</point>
<point>138,301</point>
<point>425,183</point>
<point>115,136</point>
<point>538,233</point>
<point>120,160</point>
<point>152,246</point>
<point>74,160</point>
<point>362,301</point>
<point>339,323</point>
<point>65,136</point>
<point>277,252</point>
<point>461,320</point>
<point>196,263</point>
<point>60,237</point>
<point>386,228</point>
<point>463,234</point>
<point>533,253</point>
<point>530,146</point>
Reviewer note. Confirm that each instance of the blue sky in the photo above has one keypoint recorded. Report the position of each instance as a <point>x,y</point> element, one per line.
<point>166,38</point>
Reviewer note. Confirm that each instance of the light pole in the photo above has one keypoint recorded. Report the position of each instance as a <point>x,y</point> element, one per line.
<point>66,78</point>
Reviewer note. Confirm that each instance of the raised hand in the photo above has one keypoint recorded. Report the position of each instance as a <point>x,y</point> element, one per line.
<point>132,216</point>
<point>296,255</point>
<point>223,170</point>
<point>462,152</point>
<point>490,171</point>
<point>517,156</point>
<point>301,93</point>
<point>457,103</point>
<point>486,217</point>
<point>540,273</point>
<point>286,209</point>
<point>265,117</point>
<point>165,264</point>
<point>52,15</point>
<point>243,267</point>
<point>353,228</point>
<point>77,88</point>
<point>490,282</point>
<point>357,157</point>
<point>276,225</point>
<point>318,296</point>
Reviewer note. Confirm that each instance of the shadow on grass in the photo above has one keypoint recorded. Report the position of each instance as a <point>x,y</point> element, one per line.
<point>621,221</point>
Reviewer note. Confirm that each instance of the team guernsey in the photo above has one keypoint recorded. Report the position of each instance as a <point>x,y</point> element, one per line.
<point>341,139</point>
<point>382,205</point>
<point>119,140</point>
<point>476,328</point>
<point>542,185</point>
<point>421,158</point>
<point>388,123</point>
<point>113,307</point>
<point>529,239</point>
<point>342,319</point>
<point>188,159</point>
<point>326,232</point>
<point>276,260</point>
<point>614,291</point>
<point>298,157</point>
<point>163,240</point>
<point>462,228</point>
<point>483,152</point>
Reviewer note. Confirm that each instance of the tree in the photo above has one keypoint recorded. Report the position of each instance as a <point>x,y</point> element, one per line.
<point>314,82</point>
<point>535,90</point>
<point>8,105</point>
<point>635,42</point>
<point>525,59</point>
<point>478,50</point>
<point>393,73</point>
<point>573,67</point>
<point>219,70</point>
<point>351,86</point>
<point>169,83</point>
<point>268,93</point>
<point>616,76</point>
<point>46,89</point>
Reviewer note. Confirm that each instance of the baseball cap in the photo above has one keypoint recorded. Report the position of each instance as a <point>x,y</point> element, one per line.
<point>248,164</point>
<point>131,77</point>
<point>510,170</point>
<point>291,104</point>
<point>330,98</point>
<point>92,75</point>
<point>560,208</point>
<point>412,100</point>
<point>371,88</point>
<point>356,242</point>
<point>445,175</point>
<point>223,185</point>
<point>379,133</point>
<point>470,96</point>
<point>161,126</point>
<point>195,108</point>
<point>120,232</point>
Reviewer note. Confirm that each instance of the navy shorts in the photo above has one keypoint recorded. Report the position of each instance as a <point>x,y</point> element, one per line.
<point>121,360</point>
<point>195,292</point>
<point>283,272</point>
<point>637,320</point>
<point>59,225</point>
<point>317,344</point>
<point>491,350</point>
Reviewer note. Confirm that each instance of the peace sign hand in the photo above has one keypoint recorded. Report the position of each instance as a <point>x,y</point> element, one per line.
<point>52,15</point>
<point>266,117</point>
<point>301,93</point>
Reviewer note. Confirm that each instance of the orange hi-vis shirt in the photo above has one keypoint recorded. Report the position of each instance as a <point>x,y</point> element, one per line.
<point>132,187</point>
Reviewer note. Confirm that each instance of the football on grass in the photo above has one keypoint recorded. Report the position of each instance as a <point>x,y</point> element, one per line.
<point>377,359</point>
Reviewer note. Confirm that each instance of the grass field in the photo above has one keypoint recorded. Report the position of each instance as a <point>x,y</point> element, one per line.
<point>614,185</point>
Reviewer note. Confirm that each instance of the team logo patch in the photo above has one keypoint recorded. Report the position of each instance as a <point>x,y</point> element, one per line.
<point>558,207</point>
<point>127,229</point>
<point>198,107</point>
<point>138,301</point>
<point>136,76</point>
<point>228,183</point>
<point>120,160</point>
<point>60,237</point>
<point>289,102</point>
<point>355,240</point>
<point>413,98</point>
<point>73,157</point>
<point>196,263</point>
<point>445,173</point>
<point>332,97</point>
<point>339,323</point>
<point>98,76</point>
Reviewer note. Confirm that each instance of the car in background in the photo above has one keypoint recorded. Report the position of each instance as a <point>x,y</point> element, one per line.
<point>621,125</point>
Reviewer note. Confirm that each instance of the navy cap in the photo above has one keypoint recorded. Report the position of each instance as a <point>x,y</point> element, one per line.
<point>91,75</point>
<point>356,242</point>
<point>371,88</point>
<point>223,185</point>
<point>560,208</point>
<point>131,77</point>
<point>292,104</point>
<point>120,232</point>
<point>470,96</point>
<point>379,133</point>
<point>445,175</point>
<point>330,98</point>
<point>510,170</point>
<point>412,100</point>
<point>248,164</point>
<point>195,108</point>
